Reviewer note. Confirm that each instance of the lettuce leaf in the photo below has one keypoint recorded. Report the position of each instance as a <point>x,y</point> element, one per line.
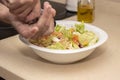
<point>80,27</point>
<point>57,45</point>
<point>88,38</point>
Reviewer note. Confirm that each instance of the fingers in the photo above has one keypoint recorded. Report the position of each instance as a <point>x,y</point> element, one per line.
<point>35,12</point>
<point>20,8</point>
<point>53,12</point>
<point>51,28</point>
<point>25,30</point>
<point>44,17</point>
<point>46,21</point>
<point>42,23</point>
<point>22,15</point>
<point>5,2</point>
<point>15,4</point>
<point>50,21</point>
<point>44,26</point>
<point>12,4</point>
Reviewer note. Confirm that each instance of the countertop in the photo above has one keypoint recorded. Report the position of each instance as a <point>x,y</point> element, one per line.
<point>18,62</point>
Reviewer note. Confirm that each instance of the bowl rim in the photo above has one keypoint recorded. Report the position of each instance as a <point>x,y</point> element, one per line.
<point>53,51</point>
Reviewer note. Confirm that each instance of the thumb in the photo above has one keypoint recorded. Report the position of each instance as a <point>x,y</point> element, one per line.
<point>25,30</point>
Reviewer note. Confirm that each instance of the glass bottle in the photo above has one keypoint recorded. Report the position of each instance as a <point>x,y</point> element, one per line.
<point>86,10</point>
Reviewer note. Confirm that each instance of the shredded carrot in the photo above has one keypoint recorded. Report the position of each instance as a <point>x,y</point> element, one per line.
<point>75,39</point>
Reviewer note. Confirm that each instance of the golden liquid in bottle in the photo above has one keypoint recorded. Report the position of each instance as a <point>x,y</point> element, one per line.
<point>85,13</point>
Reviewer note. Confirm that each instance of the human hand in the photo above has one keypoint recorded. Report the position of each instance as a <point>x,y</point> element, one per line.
<point>25,10</point>
<point>46,21</point>
<point>7,17</point>
<point>44,26</point>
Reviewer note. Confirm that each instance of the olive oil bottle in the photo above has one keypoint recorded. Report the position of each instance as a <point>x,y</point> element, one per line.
<point>85,10</point>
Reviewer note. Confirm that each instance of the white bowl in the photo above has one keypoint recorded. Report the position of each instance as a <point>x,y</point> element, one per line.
<point>68,56</point>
